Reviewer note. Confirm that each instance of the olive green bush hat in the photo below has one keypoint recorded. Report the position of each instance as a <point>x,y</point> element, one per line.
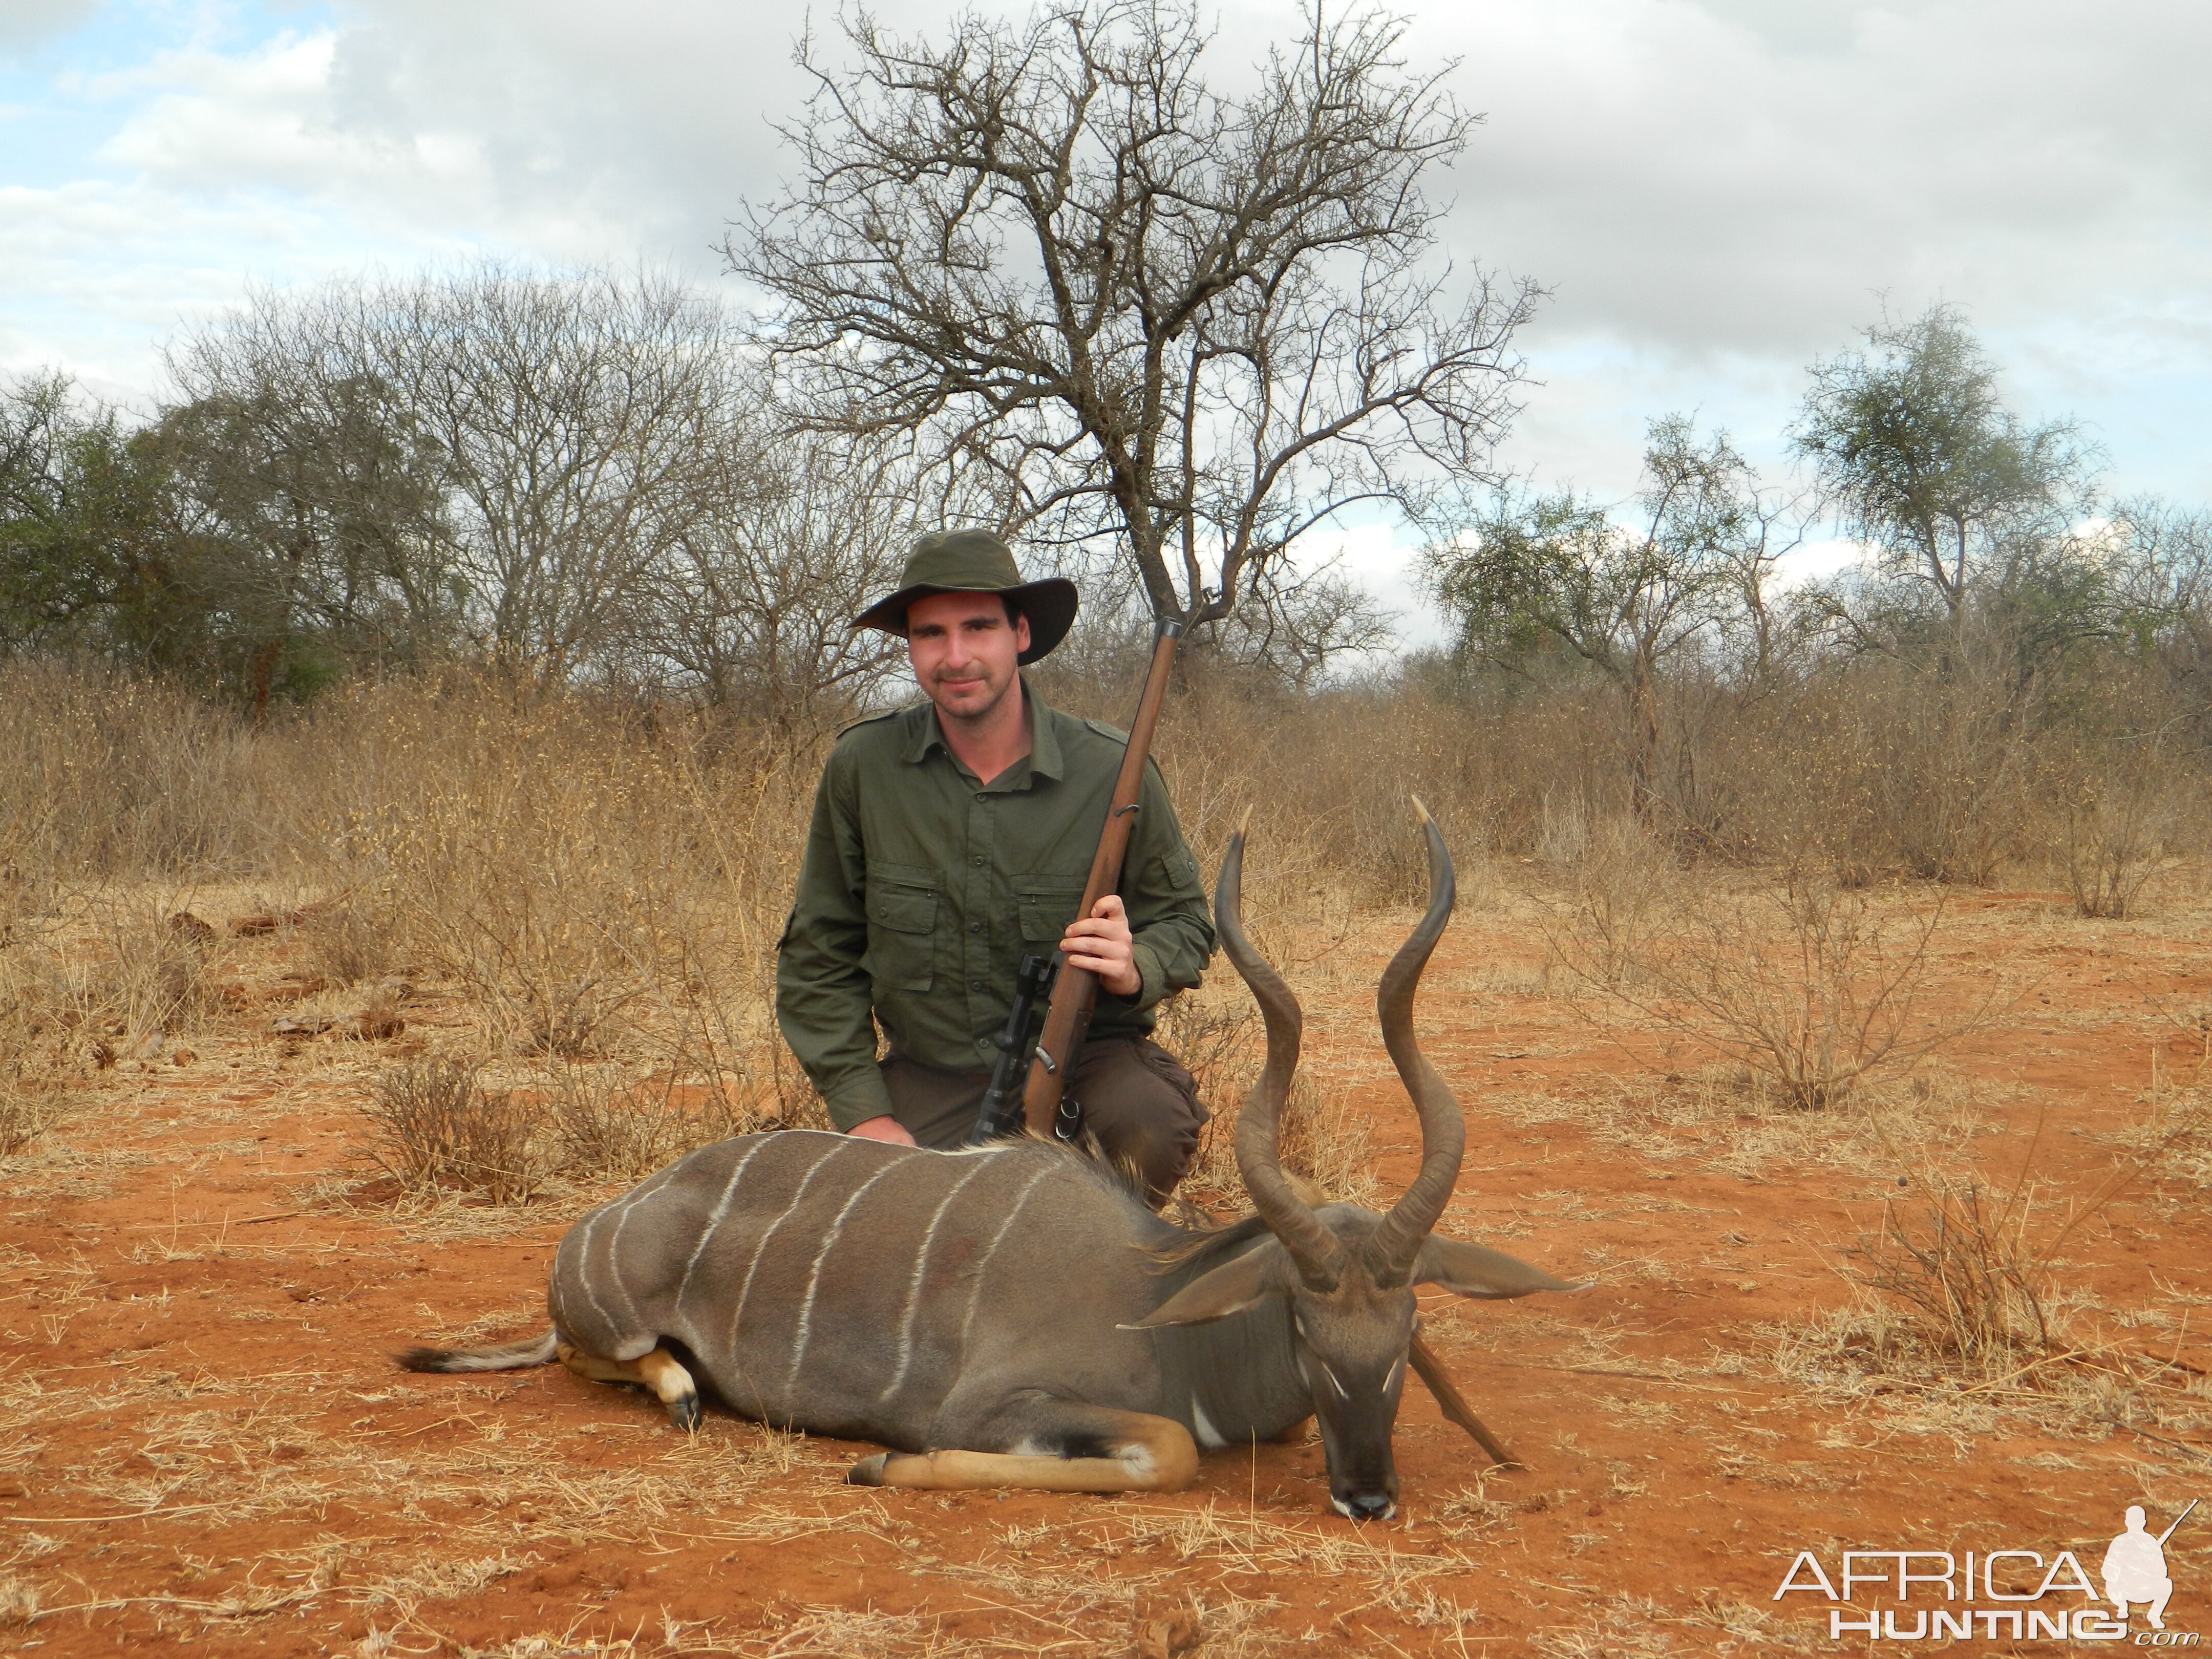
<point>976,562</point>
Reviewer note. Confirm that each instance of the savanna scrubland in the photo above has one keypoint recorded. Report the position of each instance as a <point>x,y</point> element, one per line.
<point>1873,1104</point>
<point>411,723</point>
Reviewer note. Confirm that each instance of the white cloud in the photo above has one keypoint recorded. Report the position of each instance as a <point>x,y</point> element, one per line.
<point>1719,193</point>
<point>28,24</point>
<point>1816,560</point>
<point>1716,189</point>
<point>1385,560</point>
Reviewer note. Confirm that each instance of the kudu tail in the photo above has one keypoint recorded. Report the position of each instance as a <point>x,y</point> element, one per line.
<point>513,1356</point>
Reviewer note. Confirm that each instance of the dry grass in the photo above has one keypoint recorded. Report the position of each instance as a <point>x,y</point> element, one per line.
<point>345,945</point>
<point>1216,1032</point>
<point>445,1125</point>
<point>1324,1139</point>
<point>98,978</point>
<point>31,1097</point>
<point>29,1106</point>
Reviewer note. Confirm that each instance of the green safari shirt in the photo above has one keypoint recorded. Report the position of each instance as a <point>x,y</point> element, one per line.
<point>922,889</point>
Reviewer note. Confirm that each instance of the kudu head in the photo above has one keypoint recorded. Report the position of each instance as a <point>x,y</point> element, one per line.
<point>1348,1273</point>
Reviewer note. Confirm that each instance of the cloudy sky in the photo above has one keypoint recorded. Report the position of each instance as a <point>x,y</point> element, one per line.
<point>1716,192</point>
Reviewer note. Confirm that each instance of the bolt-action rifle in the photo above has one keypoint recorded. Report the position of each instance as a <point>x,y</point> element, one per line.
<point>1000,1113</point>
<point>1045,1106</point>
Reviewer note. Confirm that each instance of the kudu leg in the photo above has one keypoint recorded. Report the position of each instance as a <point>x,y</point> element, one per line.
<point>1142,1453</point>
<point>658,1370</point>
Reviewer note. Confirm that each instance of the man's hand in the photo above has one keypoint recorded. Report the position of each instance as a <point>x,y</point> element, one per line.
<point>1102,944</point>
<point>886,1129</point>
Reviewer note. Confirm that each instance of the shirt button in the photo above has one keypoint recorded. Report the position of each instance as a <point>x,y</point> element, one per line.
<point>980,795</point>
<point>975,984</point>
<point>974,926</point>
<point>977,860</point>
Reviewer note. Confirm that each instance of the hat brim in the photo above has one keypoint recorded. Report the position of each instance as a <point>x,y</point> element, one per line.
<point>1048,604</point>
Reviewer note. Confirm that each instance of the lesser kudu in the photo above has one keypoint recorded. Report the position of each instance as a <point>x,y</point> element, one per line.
<point>1014,1316</point>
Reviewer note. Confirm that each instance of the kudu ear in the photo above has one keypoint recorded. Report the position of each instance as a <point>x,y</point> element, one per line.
<point>1308,1190</point>
<point>1469,1270</point>
<point>1228,1289</point>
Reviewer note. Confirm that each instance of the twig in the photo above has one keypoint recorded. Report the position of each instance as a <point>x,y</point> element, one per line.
<point>221,1608</point>
<point>1599,1371</point>
<point>2022,1371</point>
<point>404,1434</point>
<point>2174,1361</point>
<point>128,1515</point>
<point>2201,1451</point>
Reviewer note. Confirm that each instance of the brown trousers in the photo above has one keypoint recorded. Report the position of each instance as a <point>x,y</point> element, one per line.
<point>1138,1100</point>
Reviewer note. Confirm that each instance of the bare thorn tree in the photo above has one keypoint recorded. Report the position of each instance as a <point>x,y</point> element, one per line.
<point>1204,322</point>
<point>573,423</point>
<point>752,606</point>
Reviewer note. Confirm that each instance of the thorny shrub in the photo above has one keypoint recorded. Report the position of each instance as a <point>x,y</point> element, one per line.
<point>1961,1265</point>
<point>1809,986</point>
<point>605,1127</point>
<point>2113,825</point>
<point>1969,1272</point>
<point>435,1127</point>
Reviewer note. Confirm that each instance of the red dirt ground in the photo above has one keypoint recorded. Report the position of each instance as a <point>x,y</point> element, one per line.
<point>203,1444</point>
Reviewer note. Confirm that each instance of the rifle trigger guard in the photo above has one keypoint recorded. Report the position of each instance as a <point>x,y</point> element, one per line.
<point>1133,806</point>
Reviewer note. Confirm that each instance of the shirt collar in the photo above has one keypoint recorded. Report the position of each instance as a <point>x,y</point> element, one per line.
<point>924,734</point>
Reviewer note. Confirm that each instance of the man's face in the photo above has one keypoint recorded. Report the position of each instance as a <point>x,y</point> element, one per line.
<point>963,651</point>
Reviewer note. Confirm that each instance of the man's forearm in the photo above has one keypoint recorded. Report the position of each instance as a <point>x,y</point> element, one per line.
<point>1170,956</point>
<point>833,1038</point>
<point>821,1007</point>
<point>857,1097</point>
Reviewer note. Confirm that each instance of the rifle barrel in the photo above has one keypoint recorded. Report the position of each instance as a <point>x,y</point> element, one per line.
<point>2178,1520</point>
<point>1067,1016</point>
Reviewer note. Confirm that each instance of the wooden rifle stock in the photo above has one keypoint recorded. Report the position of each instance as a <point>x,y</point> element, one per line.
<point>1067,1016</point>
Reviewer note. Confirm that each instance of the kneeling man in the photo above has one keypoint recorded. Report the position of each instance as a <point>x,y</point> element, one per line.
<point>952,838</point>
<point>2135,1570</point>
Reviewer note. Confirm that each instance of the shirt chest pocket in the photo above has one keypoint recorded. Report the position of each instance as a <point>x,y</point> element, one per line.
<point>902,951</point>
<point>1046,908</point>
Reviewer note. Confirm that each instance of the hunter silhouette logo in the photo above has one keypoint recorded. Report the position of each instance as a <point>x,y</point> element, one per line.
<point>2134,1566</point>
<point>2133,1570</point>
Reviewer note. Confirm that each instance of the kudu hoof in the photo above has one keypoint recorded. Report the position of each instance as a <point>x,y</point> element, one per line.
<point>868,1471</point>
<point>684,1413</point>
